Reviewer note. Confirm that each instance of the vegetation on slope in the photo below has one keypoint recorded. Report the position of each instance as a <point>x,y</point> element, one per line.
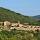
<point>12,16</point>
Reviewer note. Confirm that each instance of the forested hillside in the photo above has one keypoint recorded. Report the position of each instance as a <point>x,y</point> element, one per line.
<point>12,16</point>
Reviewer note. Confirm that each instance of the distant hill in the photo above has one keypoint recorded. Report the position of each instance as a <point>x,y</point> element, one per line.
<point>37,17</point>
<point>12,16</point>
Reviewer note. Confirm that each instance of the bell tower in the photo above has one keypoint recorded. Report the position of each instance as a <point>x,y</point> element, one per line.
<point>18,22</point>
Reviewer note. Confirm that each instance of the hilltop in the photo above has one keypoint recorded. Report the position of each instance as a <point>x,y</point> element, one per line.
<point>12,16</point>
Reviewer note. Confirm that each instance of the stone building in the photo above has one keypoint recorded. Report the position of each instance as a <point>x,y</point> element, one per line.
<point>7,23</point>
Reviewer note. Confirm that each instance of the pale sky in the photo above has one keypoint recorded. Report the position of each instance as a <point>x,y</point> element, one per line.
<point>25,7</point>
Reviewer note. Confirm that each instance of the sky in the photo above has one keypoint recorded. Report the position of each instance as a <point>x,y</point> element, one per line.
<point>25,7</point>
